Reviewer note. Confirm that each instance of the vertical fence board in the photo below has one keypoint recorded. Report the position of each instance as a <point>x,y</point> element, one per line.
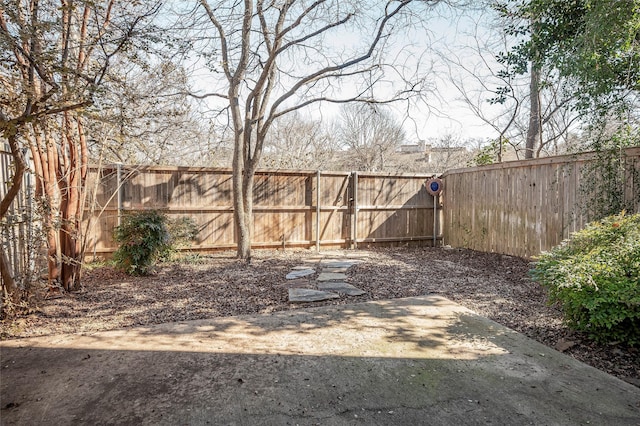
<point>18,227</point>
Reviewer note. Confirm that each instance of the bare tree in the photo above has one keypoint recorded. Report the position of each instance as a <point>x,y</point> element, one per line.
<point>55,56</point>
<point>146,116</point>
<point>298,143</point>
<point>521,107</point>
<point>280,56</point>
<point>370,135</point>
<point>489,93</point>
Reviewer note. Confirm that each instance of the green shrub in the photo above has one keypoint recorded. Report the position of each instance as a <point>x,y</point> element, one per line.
<point>143,237</point>
<point>595,277</point>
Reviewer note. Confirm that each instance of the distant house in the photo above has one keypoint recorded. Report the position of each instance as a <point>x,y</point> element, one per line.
<point>423,157</point>
<point>444,155</point>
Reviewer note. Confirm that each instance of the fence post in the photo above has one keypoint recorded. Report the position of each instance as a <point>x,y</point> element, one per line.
<point>355,210</point>
<point>435,219</point>
<point>318,211</point>
<point>119,191</point>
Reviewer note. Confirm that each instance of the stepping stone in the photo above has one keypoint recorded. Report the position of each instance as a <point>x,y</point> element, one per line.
<point>341,287</point>
<point>300,273</point>
<point>302,295</point>
<point>331,276</point>
<point>340,263</point>
<point>335,270</point>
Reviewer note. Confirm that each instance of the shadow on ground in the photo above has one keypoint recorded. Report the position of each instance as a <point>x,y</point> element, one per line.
<point>420,360</point>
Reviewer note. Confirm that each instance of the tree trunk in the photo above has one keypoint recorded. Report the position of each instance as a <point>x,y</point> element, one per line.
<point>243,180</point>
<point>61,173</point>
<point>70,226</point>
<point>50,197</point>
<point>243,237</point>
<point>16,182</point>
<point>534,132</point>
<point>247,215</point>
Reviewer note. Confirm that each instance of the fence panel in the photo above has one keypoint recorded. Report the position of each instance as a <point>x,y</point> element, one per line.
<point>388,209</point>
<point>393,208</point>
<point>199,193</point>
<point>523,208</point>
<point>518,208</point>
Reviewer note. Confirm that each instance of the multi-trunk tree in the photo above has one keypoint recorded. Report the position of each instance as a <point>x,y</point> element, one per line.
<point>55,56</point>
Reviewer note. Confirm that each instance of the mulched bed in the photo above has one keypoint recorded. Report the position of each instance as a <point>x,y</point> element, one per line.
<point>493,285</point>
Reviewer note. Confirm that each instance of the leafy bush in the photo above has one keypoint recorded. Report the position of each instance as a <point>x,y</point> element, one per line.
<point>143,237</point>
<point>595,277</point>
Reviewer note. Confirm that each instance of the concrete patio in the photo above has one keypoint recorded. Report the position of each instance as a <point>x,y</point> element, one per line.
<point>422,360</point>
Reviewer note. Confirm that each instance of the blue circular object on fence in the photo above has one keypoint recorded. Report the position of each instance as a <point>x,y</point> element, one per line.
<point>434,186</point>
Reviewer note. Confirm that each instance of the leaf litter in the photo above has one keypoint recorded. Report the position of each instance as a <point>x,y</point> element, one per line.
<point>219,285</point>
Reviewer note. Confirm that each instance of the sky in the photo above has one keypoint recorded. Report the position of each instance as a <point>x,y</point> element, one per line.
<point>454,36</point>
<point>450,36</point>
<point>441,112</point>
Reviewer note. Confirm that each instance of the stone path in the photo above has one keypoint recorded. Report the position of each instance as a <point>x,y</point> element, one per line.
<point>328,284</point>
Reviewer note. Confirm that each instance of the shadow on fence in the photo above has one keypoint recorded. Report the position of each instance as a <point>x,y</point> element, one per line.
<point>290,207</point>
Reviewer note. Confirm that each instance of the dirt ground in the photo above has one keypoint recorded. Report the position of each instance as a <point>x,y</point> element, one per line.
<point>200,287</point>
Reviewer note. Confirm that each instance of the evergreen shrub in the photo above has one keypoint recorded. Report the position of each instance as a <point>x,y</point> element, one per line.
<point>143,238</point>
<point>595,277</point>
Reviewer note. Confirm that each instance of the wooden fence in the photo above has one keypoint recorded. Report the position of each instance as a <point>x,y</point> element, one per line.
<point>522,208</point>
<point>291,208</point>
<point>517,208</point>
<point>18,227</point>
